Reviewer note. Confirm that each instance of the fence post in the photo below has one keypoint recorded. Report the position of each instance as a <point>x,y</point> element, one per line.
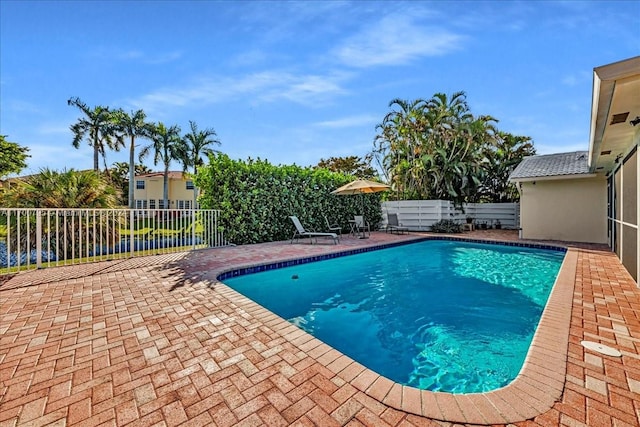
<point>131,225</point>
<point>193,228</point>
<point>38,239</point>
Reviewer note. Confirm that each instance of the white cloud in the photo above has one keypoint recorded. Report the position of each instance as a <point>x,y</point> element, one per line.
<point>162,58</point>
<point>58,156</point>
<point>348,122</point>
<point>117,54</point>
<point>54,129</point>
<point>396,40</point>
<point>23,107</point>
<point>267,86</point>
<point>248,58</point>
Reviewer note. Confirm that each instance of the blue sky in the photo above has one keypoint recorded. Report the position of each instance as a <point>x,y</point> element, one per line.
<point>294,82</point>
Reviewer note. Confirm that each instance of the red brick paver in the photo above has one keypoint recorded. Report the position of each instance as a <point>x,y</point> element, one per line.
<point>157,341</point>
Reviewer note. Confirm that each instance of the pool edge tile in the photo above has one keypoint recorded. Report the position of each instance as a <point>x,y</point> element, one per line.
<point>379,389</point>
<point>494,407</point>
<point>411,400</point>
<point>430,406</point>
<point>472,415</point>
<point>448,405</point>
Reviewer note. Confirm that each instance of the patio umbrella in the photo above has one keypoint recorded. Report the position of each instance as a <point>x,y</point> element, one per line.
<point>361,186</point>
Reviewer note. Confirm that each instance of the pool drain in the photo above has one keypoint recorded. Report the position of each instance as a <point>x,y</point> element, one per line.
<point>601,348</point>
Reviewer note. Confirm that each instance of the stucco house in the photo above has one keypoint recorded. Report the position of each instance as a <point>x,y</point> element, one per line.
<point>592,196</point>
<point>149,189</point>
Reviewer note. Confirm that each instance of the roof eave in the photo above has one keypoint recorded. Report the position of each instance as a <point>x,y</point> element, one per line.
<point>605,79</point>
<point>553,177</point>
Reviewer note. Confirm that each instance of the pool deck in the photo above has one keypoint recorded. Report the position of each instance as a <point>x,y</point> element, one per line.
<point>158,341</point>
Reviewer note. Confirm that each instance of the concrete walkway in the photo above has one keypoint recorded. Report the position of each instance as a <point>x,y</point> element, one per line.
<point>158,341</point>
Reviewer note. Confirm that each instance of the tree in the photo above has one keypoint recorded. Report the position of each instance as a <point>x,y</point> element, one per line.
<point>350,165</point>
<point>66,189</point>
<point>432,149</point>
<point>501,159</point>
<point>65,232</point>
<point>12,157</point>
<point>167,146</point>
<point>97,127</point>
<point>398,143</point>
<point>195,145</point>
<point>132,126</point>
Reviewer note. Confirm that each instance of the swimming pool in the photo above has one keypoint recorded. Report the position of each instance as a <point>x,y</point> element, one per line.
<point>436,315</point>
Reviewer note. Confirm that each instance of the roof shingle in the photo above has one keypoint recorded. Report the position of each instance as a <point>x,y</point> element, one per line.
<point>574,163</point>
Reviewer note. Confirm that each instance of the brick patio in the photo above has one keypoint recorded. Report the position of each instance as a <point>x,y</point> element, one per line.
<point>157,341</point>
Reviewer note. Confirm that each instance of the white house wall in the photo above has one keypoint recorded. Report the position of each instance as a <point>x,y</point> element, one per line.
<point>572,210</point>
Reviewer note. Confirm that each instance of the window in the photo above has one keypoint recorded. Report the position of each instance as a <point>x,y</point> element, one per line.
<point>184,204</point>
<point>141,204</point>
<point>161,204</point>
<point>190,185</point>
<point>139,185</point>
<point>152,204</point>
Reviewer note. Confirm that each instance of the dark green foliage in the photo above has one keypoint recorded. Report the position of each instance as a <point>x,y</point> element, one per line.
<point>500,159</point>
<point>12,157</point>
<point>97,127</point>
<point>256,198</point>
<point>436,149</point>
<point>351,165</point>
<point>68,189</point>
<point>446,226</point>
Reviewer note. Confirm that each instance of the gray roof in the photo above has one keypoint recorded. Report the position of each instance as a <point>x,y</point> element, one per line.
<point>574,163</point>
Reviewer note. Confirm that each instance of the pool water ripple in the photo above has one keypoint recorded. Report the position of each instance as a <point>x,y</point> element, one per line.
<point>436,315</point>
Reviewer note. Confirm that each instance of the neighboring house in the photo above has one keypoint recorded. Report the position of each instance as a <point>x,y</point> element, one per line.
<point>592,196</point>
<point>148,191</point>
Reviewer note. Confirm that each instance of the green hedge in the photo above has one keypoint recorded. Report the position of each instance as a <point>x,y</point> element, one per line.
<point>256,198</point>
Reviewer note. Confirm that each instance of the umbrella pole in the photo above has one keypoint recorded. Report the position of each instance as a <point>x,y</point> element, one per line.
<point>364,219</point>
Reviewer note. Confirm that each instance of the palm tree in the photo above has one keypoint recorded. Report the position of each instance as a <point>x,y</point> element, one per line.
<point>501,158</point>
<point>432,149</point>
<point>58,190</point>
<point>66,189</point>
<point>452,159</point>
<point>133,126</point>
<point>96,126</point>
<point>166,146</point>
<point>400,141</point>
<point>195,145</point>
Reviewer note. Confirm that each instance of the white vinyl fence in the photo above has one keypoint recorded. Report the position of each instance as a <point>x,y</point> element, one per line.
<point>36,238</point>
<point>419,215</point>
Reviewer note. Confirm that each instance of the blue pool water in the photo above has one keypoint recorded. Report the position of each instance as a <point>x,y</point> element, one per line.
<point>437,315</point>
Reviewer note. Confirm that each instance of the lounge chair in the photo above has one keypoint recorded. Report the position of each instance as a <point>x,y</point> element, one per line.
<point>333,228</point>
<point>394,226</point>
<point>361,225</point>
<point>301,232</point>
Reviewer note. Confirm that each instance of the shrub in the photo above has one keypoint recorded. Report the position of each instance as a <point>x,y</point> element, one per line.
<point>446,226</point>
<point>256,198</point>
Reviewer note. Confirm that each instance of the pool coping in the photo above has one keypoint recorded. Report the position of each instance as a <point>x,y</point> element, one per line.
<point>538,386</point>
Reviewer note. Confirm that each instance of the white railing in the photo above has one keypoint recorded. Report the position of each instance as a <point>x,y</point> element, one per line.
<point>37,238</point>
<point>419,215</point>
